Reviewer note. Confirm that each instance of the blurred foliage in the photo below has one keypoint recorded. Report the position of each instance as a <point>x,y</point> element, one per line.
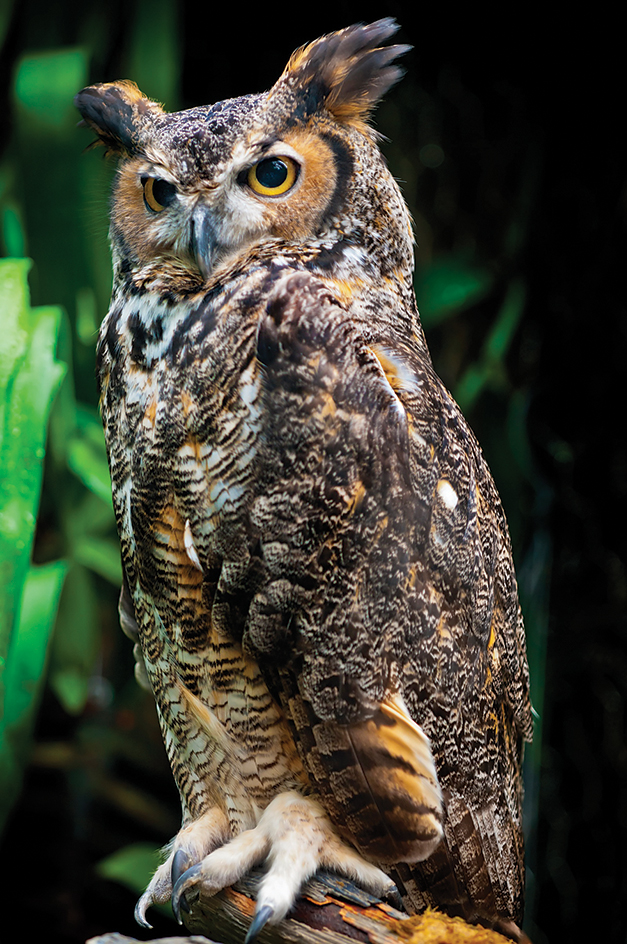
<point>59,553</point>
<point>133,866</point>
<point>41,212</point>
<point>64,574</point>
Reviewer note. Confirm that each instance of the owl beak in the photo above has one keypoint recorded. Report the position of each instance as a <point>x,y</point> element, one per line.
<point>204,241</point>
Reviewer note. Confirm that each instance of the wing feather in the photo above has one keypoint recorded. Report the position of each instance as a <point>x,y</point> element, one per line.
<point>390,641</point>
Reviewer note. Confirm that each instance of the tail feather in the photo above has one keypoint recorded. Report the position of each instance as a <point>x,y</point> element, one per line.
<point>377,779</point>
<point>474,873</point>
<point>395,757</point>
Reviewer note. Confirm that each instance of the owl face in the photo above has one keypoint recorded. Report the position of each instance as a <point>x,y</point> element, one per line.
<point>258,187</point>
<point>296,166</point>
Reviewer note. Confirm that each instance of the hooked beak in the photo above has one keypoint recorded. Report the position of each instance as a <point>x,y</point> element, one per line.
<point>204,241</point>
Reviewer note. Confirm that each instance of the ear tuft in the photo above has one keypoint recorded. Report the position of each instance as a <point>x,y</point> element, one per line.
<point>119,114</point>
<point>346,72</point>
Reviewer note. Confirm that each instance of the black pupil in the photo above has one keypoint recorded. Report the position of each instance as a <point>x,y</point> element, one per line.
<point>271,173</point>
<point>163,191</point>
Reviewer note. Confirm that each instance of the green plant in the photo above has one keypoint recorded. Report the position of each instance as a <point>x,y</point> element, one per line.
<point>48,604</point>
<point>30,377</point>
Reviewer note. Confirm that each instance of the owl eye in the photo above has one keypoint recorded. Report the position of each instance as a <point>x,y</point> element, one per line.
<point>273,176</point>
<point>158,193</point>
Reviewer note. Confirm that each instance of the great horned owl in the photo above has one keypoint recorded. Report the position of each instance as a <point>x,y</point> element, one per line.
<point>315,555</point>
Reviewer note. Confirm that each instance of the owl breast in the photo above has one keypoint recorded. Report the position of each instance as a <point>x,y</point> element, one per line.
<point>181,399</point>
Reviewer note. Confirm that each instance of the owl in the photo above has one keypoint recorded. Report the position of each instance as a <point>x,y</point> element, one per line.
<point>316,562</point>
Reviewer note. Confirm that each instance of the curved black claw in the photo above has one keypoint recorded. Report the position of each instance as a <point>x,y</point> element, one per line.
<point>186,880</point>
<point>180,864</point>
<point>261,916</point>
<point>140,913</point>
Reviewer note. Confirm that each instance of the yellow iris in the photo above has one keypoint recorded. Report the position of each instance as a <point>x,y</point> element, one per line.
<point>158,193</point>
<point>273,176</point>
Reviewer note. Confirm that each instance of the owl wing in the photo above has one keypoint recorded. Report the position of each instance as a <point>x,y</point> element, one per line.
<point>388,624</point>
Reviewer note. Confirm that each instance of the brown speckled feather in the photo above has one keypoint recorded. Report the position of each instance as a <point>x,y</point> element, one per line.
<point>317,558</point>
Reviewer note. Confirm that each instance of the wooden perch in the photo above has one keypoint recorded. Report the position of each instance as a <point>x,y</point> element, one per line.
<point>331,911</point>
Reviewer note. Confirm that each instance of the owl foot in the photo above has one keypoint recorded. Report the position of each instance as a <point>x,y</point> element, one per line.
<point>296,838</point>
<point>190,845</point>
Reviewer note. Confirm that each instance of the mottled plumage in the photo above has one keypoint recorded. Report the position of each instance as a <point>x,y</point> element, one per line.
<point>317,565</point>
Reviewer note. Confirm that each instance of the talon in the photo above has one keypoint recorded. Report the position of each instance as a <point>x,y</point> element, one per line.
<point>187,879</point>
<point>140,911</point>
<point>180,864</point>
<point>261,917</point>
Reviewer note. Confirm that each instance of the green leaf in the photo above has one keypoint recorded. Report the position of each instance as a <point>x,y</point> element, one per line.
<point>87,454</point>
<point>13,234</point>
<point>15,299</point>
<point>132,866</point>
<point>71,688</point>
<point>489,369</point>
<point>88,460</point>
<point>76,640</point>
<point>448,286</point>
<point>518,435</point>
<point>45,84</point>
<point>63,416</point>
<point>29,379</point>
<point>500,337</point>
<point>25,673</point>
<point>89,517</point>
<point>101,555</point>
<point>86,316</point>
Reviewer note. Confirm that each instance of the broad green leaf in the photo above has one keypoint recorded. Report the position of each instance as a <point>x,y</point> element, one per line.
<point>29,379</point>
<point>14,298</point>
<point>448,286</point>
<point>25,673</point>
<point>27,655</point>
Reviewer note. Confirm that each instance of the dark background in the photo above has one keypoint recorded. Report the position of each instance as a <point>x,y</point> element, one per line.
<point>507,134</point>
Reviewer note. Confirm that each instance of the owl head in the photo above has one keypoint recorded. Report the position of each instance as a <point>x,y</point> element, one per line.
<point>296,167</point>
